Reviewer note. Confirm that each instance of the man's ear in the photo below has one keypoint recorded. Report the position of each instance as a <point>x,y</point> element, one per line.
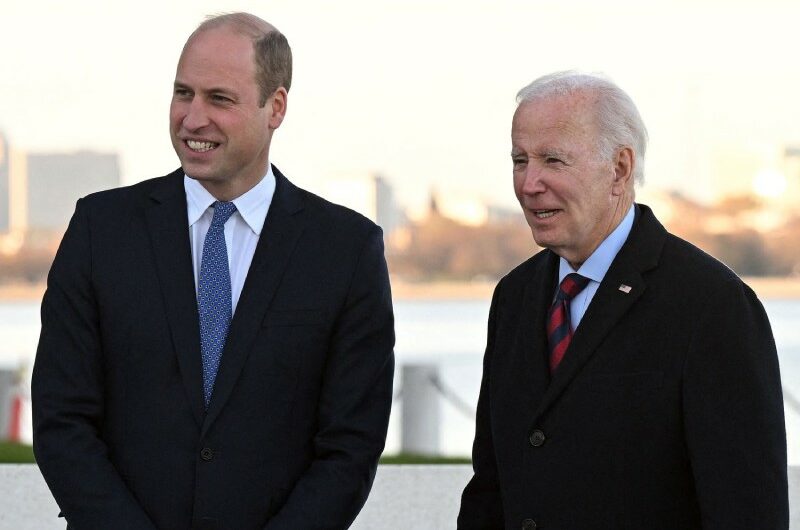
<point>624,162</point>
<point>277,104</point>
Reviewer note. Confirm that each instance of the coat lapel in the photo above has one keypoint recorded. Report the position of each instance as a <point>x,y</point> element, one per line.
<point>167,221</point>
<point>531,342</point>
<point>639,254</point>
<point>282,229</point>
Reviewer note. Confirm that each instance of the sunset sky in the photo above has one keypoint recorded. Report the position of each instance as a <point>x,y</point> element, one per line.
<point>421,92</point>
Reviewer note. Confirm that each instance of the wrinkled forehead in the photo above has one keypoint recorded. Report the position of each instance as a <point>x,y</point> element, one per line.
<point>556,120</point>
<point>575,110</point>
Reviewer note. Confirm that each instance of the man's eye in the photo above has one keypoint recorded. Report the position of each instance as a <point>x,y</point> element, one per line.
<point>221,99</point>
<point>553,160</point>
<point>518,162</point>
<point>181,92</point>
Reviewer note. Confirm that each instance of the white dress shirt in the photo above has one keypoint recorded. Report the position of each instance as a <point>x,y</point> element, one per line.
<point>242,229</point>
<point>595,267</point>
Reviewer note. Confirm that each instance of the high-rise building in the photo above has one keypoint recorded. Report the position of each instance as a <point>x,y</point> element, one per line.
<point>5,179</point>
<point>57,181</point>
<point>387,214</point>
<point>370,195</point>
<point>791,160</point>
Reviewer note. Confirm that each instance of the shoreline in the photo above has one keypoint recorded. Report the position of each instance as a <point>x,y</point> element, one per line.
<point>22,292</point>
<point>767,288</point>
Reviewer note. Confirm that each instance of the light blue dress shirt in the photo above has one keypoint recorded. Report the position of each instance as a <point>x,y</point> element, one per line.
<point>595,267</point>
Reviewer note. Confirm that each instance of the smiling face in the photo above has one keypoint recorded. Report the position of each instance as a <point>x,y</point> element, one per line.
<point>220,133</point>
<point>571,197</point>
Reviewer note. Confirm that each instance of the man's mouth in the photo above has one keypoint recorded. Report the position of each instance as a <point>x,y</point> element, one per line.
<point>544,214</point>
<point>201,147</point>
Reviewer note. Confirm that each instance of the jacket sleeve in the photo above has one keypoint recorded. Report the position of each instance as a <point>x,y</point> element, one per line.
<point>481,501</point>
<point>67,393</point>
<point>354,403</point>
<point>733,415</point>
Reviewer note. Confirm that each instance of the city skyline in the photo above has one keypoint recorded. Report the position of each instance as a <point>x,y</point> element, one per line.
<point>35,186</point>
<point>422,93</point>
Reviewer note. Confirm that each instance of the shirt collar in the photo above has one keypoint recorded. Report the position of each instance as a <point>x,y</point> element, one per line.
<point>596,266</point>
<point>252,206</point>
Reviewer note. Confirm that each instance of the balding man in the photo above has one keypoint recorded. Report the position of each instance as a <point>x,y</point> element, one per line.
<point>630,380</point>
<point>216,347</point>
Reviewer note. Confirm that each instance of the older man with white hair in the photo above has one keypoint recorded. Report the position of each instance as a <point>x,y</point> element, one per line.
<point>630,380</point>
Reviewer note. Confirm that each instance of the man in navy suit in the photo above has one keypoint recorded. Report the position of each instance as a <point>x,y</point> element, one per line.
<point>630,380</point>
<point>216,346</point>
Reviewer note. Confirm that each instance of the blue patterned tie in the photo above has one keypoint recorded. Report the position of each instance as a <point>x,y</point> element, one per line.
<point>214,296</point>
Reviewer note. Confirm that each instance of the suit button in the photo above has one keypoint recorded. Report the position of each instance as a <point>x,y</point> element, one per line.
<point>536,439</point>
<point>207,454</point>
<point>528,524</point>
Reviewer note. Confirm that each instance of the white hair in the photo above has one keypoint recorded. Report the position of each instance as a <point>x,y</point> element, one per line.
<point>618,120</point>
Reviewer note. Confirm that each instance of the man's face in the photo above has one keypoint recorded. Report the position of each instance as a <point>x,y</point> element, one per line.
<point>218,130</point>
<point>570,197</point>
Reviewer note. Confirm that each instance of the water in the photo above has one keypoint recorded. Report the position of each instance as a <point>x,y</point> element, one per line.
<point>451,334</point>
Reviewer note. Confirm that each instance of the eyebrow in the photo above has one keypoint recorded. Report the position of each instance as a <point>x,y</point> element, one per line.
<point>543,153</point>
<point>212,90</point>
<point>552,152</point>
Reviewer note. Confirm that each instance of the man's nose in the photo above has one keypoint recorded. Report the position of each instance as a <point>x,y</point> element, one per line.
<point>196,115</point>
<point>534,180</point>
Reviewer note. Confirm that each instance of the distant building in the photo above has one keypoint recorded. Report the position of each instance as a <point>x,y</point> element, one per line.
<point>5,180</point>
<point>471,210</point>
<point>501,214</point>
<point>387,214</point>
<point>368,194</point>
<point>791,168</point>
<point>56,181</point>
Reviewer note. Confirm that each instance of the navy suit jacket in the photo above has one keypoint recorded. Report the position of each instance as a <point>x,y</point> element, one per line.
<point>301,401</point>
<point>665,413</point>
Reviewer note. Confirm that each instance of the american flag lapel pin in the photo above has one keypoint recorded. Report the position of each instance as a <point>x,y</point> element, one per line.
<point>625,288</point>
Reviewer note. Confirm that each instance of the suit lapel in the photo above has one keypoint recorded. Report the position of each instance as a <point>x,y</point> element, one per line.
<point>282,229</point>
<point>639,254</point>
<point>167,221</point>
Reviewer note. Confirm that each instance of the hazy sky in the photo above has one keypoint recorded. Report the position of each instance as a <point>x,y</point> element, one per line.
<point>421,92</point>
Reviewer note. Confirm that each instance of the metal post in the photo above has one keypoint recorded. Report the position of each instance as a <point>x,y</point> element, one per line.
<point>420,417</point>
<point>8,379</point>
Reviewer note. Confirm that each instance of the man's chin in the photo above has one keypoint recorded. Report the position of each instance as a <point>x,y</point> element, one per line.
<point>549,241</point>
<point>199,173</point>
<point>541,238</point>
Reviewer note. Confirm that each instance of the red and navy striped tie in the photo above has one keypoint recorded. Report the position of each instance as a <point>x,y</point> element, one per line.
<point>559,330</point>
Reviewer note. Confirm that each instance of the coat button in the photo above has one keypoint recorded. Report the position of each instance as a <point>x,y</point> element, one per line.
<point>207,454</point>
<point>537,438</point>
<point>529,524</point>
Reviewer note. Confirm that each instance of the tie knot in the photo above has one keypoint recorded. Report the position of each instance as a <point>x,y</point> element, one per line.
<point>571,285</point>
<point>222,211</point>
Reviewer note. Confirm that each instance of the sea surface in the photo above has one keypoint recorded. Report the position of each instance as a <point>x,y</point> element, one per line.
<point>450,335</point>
